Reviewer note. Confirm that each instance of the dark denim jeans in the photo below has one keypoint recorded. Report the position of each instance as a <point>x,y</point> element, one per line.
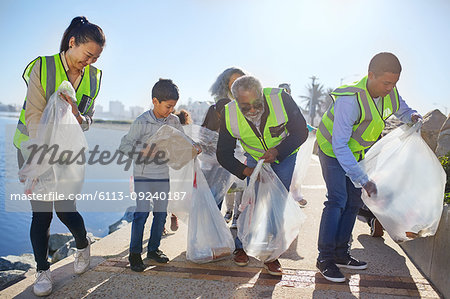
<point>339,214</point>
<point>284,171</point>
<point>40,227</point>
<point>148,187</point>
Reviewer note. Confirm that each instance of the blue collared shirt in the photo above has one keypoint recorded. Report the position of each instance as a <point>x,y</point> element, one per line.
<point>346,114</point>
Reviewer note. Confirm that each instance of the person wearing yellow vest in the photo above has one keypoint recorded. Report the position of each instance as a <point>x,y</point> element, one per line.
<point>352,124</point>
<point>269,126</point>
<point>81,45</point>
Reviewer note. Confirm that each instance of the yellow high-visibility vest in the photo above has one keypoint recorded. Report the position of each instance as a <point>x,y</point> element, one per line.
<point>368,128</point>
<point>52,75</point>
<point>274,131</point>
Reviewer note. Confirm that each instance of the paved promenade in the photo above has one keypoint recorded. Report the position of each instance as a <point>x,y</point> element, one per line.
<point>390,274</point>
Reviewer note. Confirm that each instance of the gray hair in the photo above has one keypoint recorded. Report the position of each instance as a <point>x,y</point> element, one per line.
<point>219,90</point>
<point>248,83</point>
<point>286,87</point>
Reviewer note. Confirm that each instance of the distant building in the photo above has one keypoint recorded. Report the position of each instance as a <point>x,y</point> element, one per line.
<point>10,108</point>
<point>99,109</point>
<point>197,109</point>
<point>135,111</point>
<point>116,108</point>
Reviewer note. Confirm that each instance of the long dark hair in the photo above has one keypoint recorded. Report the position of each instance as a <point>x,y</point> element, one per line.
<point>84,32</point>
<point>184,116</point>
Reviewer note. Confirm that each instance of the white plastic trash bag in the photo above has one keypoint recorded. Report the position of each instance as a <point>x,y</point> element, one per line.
<point>181,182</point>
<point>209,238</point>
<point>410,183</point>
<point>57,163</point>
<point>303,160</point>
<point>238,185</point>
<point>206,139</point>
<point>270,218</point>
<point>219,179</point>
<point>178,148</point>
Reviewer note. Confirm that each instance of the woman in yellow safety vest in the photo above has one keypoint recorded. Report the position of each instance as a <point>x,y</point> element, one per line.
<point>81,45</point>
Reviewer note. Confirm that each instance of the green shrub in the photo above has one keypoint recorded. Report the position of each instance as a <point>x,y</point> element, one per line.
<point>445,161</point>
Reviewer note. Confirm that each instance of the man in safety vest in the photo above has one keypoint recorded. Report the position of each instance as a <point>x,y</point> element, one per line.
<point>269,126</point>
<point>351,126</point>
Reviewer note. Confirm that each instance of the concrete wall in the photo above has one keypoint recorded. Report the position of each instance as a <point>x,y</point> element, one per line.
<point>432,255</point>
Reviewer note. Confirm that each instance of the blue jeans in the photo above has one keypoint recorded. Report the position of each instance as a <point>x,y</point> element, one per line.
<point>284,170</point>
<point>339,214</point>
<point>145,188</point>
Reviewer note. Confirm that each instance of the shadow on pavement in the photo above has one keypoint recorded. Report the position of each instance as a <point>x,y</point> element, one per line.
<point>387,274</point>
<point>292,252</point>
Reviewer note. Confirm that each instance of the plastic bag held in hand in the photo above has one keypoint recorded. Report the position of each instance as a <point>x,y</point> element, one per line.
<point>410,183</point>
<point>178,148</point>
<point>209,238</point>
<point>219,179</point>
<point>270,218</point>
<point>55,169</point>
<point>301,165</point>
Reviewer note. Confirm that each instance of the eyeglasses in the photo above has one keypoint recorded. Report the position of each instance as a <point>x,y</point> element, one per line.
<point>245,108</point>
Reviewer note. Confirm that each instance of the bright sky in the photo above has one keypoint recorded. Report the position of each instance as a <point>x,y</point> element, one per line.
<point>191,42</point>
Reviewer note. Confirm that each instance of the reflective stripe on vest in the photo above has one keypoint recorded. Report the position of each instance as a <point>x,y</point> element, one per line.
<point>368,128</point>
<point>239,128</point>
<point>234,126</point>
<point>52,75</point>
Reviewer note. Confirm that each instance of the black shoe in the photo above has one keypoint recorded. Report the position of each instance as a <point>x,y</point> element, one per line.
<point>136,263</point>
<point>351,263</point>
<point>228,216</point>
<point>158,256</point>
<point>330,271</point>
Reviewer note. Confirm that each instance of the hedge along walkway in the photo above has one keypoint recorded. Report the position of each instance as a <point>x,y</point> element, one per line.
<point>390,274</point>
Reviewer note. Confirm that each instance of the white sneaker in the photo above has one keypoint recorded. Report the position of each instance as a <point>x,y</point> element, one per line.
<point>82,259</point>
<point>43,285</point>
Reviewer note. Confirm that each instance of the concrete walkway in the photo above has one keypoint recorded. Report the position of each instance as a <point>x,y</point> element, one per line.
<point>390,274</point>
